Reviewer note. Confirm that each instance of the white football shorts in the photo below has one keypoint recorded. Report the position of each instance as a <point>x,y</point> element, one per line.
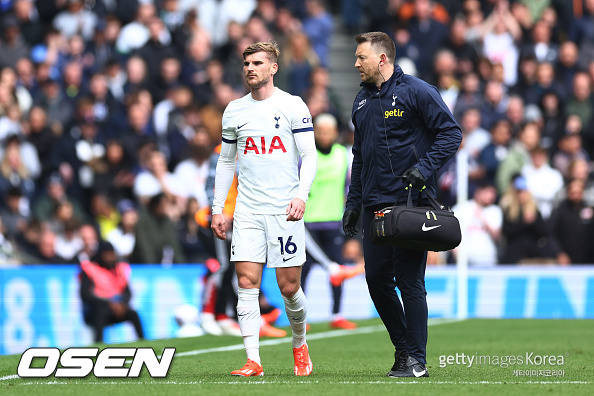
<point>269,239</point>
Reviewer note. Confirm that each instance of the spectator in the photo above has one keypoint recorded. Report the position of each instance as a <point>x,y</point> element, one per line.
<point>298,61</point>
<point>475,137</point>
<point>519,154</point>
<point>52,100</point>
<point>326,205</point>
<point>572,227</point>
<point>156,238</point>
<point>194,170</point>
<point>540,45</point>
<point>76,19</point>
<point>15,214</point>
<point>46,249</point>
<point>13,47</point>
<point>68,241</point>
<point>19,166</point>
<point>579,169</point>
<point>500,33</point>
<point>580,104</point>
<point>319,26</point>
<point>570,148</point>
<point>135,34</point>
<point>105,215</point>
<point>28,18</point>
<point>553,120</point>
<point>523,227</point>
<point>40,135</point>
<point>465,53</point>
<point>155,51</point>
<point>543,182</point>
<point>481,220</point>
<point>494,104</point>
<point>115,176</point>
<point>56,192</point>
<point>469,96</point>
<point>123,237</point>
<point>105,292</point>
<point>496,151</point>
<point>157,179</point>
<point>428,33</point>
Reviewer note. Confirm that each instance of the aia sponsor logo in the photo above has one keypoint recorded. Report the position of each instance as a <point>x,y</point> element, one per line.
<point>275,144</point>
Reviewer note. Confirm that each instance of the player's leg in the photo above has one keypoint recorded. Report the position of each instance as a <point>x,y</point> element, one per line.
<point>286,253</point>
<point>248,251</point>
<point>379,274</point>
<point>410,279</point>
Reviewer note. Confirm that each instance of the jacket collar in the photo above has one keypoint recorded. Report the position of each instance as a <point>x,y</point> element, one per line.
<point>395,79</point>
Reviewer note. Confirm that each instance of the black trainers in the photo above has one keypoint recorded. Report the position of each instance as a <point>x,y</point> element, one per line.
<point>400,358</point>
<point>411,368</point>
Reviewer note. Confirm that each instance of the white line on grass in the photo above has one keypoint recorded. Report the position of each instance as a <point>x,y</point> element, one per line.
<point>286,340</point>
<point>315,336</point>
<point>266,382</point>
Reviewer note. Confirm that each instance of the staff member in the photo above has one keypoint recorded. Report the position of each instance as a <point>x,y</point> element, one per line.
<point>403,134</point>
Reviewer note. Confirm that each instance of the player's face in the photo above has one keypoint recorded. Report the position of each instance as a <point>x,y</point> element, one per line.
<point>367,63</point>
<point>258,70</point>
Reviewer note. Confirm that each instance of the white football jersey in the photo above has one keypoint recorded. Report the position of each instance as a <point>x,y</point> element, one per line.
<point>267,154</point>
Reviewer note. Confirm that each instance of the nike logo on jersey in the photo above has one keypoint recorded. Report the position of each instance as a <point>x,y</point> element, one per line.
<point>425,228</point>
<point>287,259</point>
<point>362,103</point>
<point>241,126</point>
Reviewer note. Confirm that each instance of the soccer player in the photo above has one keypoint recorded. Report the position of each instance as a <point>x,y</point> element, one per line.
<point>267,130</point>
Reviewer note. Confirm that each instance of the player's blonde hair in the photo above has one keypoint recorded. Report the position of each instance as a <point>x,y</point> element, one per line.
<point>269,47</point>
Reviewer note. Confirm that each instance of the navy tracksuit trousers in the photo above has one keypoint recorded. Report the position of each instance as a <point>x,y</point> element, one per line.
<point>388,267</point>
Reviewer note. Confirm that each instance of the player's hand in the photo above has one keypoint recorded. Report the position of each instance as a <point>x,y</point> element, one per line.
<point>295,210</point>
<point>413,177</point>
<point>218,226</point>
<point>349,222</point>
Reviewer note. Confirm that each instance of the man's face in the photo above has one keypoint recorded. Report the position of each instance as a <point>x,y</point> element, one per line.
<point>258,70</point>
<point>367,63</point>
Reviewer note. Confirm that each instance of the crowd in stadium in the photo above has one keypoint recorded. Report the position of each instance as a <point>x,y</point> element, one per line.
<point>111,110</point>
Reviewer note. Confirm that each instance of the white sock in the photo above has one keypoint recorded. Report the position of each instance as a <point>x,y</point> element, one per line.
<point>296,308</point>
<point>248,315</point>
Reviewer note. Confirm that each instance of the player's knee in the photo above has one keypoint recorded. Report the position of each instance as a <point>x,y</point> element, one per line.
<point>245,282</point>
<point>289,289</point>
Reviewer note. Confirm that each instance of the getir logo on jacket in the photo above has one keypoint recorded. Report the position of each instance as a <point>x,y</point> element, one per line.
<point>394,113</point>
<point>275,144</point>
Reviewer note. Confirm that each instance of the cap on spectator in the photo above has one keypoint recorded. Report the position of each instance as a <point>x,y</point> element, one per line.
<point>105,246</point>
<point>125,205</point>
<point>9,21</point>
<point>520,183</point>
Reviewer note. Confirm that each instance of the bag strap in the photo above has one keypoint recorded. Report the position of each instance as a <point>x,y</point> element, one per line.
<point>430,197</point>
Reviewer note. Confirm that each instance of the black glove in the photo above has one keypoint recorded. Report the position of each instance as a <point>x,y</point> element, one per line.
<point>413,177</point>
<point>349,222</point>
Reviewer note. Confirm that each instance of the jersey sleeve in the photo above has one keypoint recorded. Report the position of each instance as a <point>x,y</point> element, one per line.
<point>229,128</point>
<point>225,165</point>
<point>301,117</point>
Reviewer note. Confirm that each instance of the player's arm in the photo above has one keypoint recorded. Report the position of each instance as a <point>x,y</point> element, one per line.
<point>306,146</point>
<point>223,180</point>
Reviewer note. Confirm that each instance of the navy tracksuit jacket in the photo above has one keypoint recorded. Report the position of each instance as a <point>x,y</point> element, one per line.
<point>404,124</point>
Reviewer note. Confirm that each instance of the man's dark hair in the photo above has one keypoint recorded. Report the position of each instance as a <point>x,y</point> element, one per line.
<point>379,41</point>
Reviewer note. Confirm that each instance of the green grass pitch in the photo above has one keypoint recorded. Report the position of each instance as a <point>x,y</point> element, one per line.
<point>356,363</point>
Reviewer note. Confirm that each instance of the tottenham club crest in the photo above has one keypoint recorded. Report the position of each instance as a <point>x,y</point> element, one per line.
<point>277,118</point>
